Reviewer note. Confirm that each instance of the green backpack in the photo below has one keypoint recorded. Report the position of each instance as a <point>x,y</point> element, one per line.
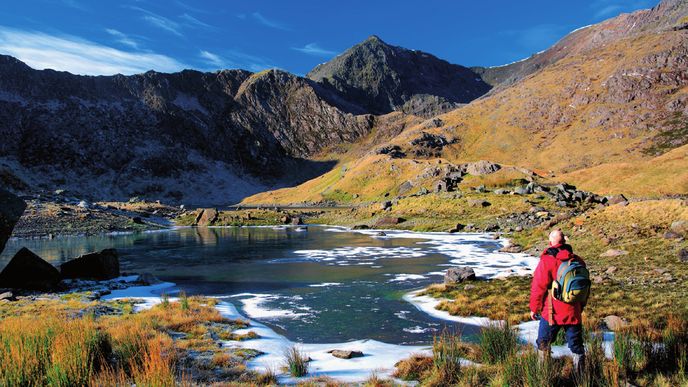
<point>572,284</point>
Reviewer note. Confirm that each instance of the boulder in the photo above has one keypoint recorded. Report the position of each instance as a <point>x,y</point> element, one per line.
<point>511,249</point>
<point>482,167</point>
<point>206,217</point>
<point>457,275</point>
<point>614,323</point>
<point>671,235</point>
<point>613,253</point>
<point>286,219</point>
<point>385,205</point>
<point>522,191</point>
<point>389,220</point>
<point>381,233</point>
<point>345,354</point>
<point>679,227</point>
<point>458,228</point>
<point>360,227</point>
<point>147,279</point>
<point>616,199</point>
<point>296,221</point>
<point>478,203</point>
<point>11,209</point>
<point>27,270</point>
<point>683,255</point>
<point>7,296</point>
<point>102,265</point>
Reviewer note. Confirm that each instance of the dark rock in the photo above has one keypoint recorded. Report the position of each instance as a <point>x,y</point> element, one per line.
<point>286,219</point>
<point>137,220</point>
<point>345,354</point>
<point>27,270</point>
<point>206,217</point>
<point>671,235</point>
<point>458,228</point>
<point>385,205</point>
<point>381,233</point>
<point>683,255</point>
<point>393,151</point>
<point>456,275</point>
<point>478,203</point>
<point>296,221</point>
<point>482,167</point>
<point>147,279</point>
<point>102,265</point>
<point>360,227</point>
<point>11,209</point>
<point>617,199</point>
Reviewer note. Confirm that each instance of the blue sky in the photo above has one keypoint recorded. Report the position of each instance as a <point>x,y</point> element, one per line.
<point>131,36</point>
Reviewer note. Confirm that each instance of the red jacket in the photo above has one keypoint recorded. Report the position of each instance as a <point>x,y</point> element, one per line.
<point>545,273</point>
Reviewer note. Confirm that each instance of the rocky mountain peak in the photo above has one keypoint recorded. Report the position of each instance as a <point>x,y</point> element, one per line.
<point>382,78</point>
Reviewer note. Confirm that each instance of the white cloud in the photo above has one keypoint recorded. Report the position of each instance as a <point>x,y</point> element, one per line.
<point>163,23</point>
<point>122,38</point>
<point>267,22</point>
<point>79,56</point>
<point>194,22</point>
<point>212,59</point>
<point>315,50</point>
<point>158,21</point>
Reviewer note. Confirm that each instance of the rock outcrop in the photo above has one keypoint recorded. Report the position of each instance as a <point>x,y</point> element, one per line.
<point>27,270</point>
<point>11,209</point>
<point>101,265</point>
<point>457,275</point>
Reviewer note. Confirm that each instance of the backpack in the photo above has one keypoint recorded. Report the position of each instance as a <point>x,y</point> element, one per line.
<point>572,284</point>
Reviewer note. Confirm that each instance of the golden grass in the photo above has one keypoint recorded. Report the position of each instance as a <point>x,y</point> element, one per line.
<point>46,344</point>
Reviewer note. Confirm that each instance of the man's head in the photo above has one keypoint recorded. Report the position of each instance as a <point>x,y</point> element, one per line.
<point>556,237</point>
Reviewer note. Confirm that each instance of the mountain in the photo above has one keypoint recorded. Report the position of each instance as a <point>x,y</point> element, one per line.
<point>382,78</point>
<point>605,108</point>
<point>199,137</point>
<point>667,15</point>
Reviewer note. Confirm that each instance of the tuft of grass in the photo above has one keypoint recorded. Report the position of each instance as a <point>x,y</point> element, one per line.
<point>413,368</point>
<point>528,369</point>
<point>296,362</point>
<point>447,350</point>
<point>498,342</point>
<point>183,301</point>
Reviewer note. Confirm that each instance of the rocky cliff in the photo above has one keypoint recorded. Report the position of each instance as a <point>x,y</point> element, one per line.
<point>204,137</point>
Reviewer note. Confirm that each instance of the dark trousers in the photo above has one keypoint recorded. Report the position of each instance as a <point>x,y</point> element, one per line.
<point>548,333</point>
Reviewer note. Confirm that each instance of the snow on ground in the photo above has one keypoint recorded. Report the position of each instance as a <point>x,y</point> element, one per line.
<point>378,357</point>
<point>527,331</point>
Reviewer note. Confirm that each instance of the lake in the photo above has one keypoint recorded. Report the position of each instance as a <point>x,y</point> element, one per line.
<point>324,285</point>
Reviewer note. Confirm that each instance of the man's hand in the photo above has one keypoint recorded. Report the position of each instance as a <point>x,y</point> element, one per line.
<point>534,316</point>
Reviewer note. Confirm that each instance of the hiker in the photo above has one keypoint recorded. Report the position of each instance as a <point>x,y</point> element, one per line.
<point>554,308</point>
